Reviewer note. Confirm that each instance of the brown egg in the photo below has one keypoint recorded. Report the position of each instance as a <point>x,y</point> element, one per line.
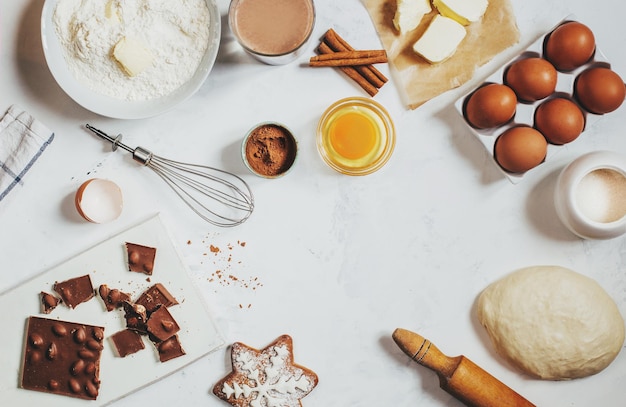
<point>490,106</point>
<point>570,45</point>
<point>520,148</point>
<point>559,120</point>
<point>531,78</point>
<point>600,90</point>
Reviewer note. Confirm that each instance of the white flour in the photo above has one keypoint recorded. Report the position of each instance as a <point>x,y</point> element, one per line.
<point>176,32</point>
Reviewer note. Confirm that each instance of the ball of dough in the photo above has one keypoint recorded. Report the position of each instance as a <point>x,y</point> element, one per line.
<point>552,322</point>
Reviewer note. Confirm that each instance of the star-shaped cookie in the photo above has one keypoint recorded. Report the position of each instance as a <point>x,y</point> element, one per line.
<point>265,378</point>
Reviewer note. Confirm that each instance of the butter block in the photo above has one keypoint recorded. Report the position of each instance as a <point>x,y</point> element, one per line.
<point>132,56</point>
<point>463,11</point>
<point>409,13</point>
<point>440,40</point>
<point>111,11</point>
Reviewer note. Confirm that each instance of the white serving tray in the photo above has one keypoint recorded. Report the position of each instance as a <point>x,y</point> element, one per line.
<point>106,264</point>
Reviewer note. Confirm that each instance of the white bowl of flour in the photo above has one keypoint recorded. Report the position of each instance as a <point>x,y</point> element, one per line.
<point>174,46</point>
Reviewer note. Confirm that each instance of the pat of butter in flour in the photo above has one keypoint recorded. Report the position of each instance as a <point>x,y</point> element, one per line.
<point>133,57</point>
<point>409,13</point>
<point>463,11</point>
<point>440,40</point>
<point>112,12</point>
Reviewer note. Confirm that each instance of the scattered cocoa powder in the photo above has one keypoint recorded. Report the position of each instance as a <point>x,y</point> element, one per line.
<point>227,268</point>
<point>270,150</point>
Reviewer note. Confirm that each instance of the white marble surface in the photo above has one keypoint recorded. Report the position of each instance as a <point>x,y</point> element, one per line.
<point>337,262</point>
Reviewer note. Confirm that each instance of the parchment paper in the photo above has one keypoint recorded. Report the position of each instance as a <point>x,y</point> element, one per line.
<point>420,81</point>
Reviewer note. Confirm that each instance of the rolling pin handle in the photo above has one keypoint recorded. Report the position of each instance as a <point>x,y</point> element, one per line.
<point>458,375</point>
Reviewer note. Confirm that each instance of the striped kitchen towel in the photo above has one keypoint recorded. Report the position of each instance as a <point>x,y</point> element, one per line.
<point>22,140</point>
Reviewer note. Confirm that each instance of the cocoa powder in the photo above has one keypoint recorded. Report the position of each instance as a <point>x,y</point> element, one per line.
<point>270,150</point>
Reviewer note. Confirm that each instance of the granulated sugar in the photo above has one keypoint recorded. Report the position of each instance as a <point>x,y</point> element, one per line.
<point>601,195</point>
<point>175,32</point>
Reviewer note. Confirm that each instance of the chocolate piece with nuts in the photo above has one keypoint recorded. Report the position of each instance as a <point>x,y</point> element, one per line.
<point>62,358</point>
<point>112,298</point>
<point>161,325</point>
<point>169,349</point>
<point>127,342</point>
<point>136,317</point>
<point>155,296</point>
<point>75,290</point>
<point>48,302</point>
<point>140,258</point>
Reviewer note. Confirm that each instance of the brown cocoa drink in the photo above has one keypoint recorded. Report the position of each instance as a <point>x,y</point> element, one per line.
<point>272,27</point>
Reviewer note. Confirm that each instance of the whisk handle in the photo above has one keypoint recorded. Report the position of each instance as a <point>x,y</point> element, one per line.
<point>115,141</point>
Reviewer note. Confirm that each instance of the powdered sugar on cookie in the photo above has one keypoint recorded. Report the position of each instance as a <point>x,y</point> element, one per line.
<point>266,378</point>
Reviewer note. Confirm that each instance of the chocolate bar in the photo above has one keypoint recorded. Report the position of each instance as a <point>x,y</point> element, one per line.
<point>62,357</point>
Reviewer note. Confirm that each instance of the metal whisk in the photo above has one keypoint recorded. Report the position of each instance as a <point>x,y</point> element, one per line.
<point>217,196</point>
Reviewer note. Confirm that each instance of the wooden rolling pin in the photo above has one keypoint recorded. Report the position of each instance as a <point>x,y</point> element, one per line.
<point>458,375</point>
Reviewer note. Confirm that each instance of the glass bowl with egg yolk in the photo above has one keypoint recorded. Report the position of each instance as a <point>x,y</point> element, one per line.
<point>355,136</point>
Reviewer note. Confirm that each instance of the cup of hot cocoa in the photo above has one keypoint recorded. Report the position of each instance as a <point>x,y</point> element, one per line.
<point>274,32</point>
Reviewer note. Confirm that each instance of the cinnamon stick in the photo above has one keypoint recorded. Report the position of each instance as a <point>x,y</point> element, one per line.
<point>349,58</point>
<point>348,62</point>
<point>363,54</point>
<point>338,44</point>
<point>351,72</point>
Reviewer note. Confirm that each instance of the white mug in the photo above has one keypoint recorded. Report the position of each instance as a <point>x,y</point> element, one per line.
<point>590,195</point>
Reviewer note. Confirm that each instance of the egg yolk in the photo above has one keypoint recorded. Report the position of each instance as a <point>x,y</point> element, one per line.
<point>352,135</point>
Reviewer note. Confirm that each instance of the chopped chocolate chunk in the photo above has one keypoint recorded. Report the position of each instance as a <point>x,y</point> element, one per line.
<point>75,290</point>
<point>127,342</point>
<point>112,298</point>
<point>140,258</point>
<point>48,302</point>
<point>62,358</point>
<point>161,324</point>
<point>154,296</point>
<point>136,317</point>
<point>169,349</point>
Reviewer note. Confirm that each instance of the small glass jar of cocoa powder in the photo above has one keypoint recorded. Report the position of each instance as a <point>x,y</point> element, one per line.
<point>269,150</point>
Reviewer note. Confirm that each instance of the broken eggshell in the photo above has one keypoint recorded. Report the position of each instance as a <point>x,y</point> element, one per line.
<point>99,200</point>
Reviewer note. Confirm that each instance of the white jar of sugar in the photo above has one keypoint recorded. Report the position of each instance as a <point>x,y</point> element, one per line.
<point>590,195</point>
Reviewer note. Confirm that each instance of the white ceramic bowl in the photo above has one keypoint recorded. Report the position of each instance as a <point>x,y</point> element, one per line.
<point>116,108</point>
<point>590,195</point>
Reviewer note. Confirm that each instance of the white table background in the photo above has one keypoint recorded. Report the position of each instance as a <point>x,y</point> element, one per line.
<point>337,262</point>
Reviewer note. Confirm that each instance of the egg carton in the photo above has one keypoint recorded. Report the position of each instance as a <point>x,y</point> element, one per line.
<point>525,111</point>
